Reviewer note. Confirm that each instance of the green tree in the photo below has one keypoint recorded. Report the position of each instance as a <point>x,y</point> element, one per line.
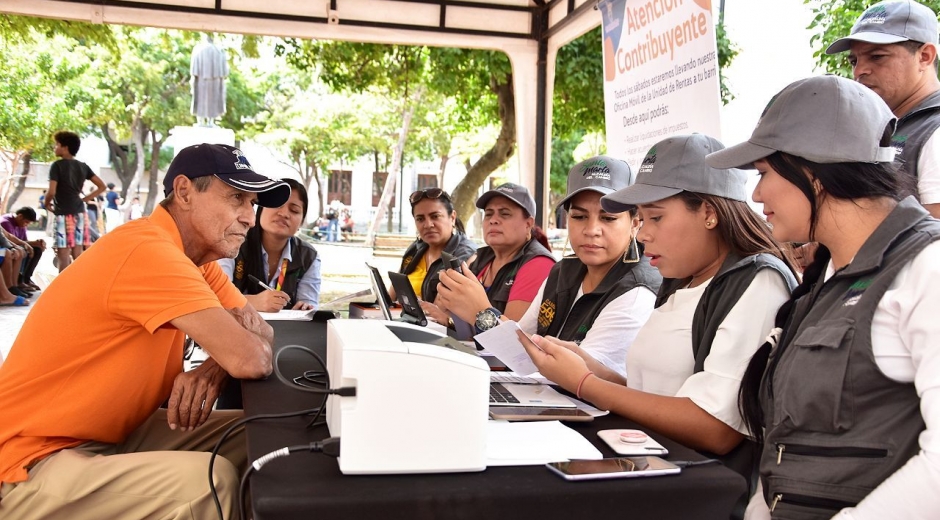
<point>834,19</point>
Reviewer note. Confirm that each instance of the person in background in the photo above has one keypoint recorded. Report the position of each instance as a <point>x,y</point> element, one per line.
<point>893,51</point>
<point>82,431</point>
<point>724,276</point>
<point>64,196</point>
<point>510,268</point>
<point>112,212</point>
<point>845,395</point>
<point>44,221</point>
<point>439,230</point>
<point>595,301</point>
<point>7,297</point>
<point>347,225</point>
<point>16,254</point>
<point>136,210</point>
<point>273,254</point>
<point>15,224</point>
<point>91,211</point>
<point>333,212</point>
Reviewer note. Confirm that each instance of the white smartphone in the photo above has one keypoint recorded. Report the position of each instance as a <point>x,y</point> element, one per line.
<point>532,413</point>
<point>620,467</point>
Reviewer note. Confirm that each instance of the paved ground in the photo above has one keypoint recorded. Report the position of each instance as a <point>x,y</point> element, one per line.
<point>343,271</point>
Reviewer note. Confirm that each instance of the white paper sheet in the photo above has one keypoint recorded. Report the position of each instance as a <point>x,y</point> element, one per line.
<point>502,342</point>
<point>288,315</point>
<point>535,443</point>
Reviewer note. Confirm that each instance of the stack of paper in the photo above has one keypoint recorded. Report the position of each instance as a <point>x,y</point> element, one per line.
<point>535,443</point>
<point>288,315</point>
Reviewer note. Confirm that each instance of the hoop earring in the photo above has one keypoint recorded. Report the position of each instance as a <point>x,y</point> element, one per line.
<point>635,257</point>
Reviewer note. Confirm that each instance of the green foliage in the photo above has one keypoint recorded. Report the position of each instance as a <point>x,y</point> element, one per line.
<point>578,98</point>
<point>726,54</point>
<point>834,19</point>
<point>27,29</point>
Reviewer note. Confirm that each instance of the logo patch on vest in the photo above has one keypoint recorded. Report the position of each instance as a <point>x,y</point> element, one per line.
<point>546,313</point>
<point>239,269</point>
<point>855,292</point>
<point>898,142</point>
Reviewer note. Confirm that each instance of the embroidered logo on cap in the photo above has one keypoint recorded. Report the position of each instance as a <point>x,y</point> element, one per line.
<point>875,14</point>
<point>648,161</point>
<point>596,170</point>
<point>241,162</point>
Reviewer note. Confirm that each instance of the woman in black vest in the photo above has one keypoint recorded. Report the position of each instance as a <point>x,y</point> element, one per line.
<point>273,255</point>
<point>597,299</point>
<point>845,395</point>
<point>439,230</point>
<point>510,268</point>
<point>723,278</point>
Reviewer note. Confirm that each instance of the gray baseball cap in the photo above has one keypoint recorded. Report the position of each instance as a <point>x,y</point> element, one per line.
<point>891,22</point>
<point>674,165</point>
<point>825,119</point>
<point>514,192</point>
<point>602,174</point>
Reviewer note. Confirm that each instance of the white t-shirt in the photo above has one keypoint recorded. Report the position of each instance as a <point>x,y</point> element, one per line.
<point>613,330</point>
<point>928,171</point>
<point>904,330</point>
<point>661,362</point>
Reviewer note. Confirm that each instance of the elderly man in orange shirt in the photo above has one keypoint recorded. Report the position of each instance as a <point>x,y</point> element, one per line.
<point>82,433</point>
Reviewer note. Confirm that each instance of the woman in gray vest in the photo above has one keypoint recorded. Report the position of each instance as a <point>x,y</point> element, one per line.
<point>845,395</point>
<point>273,255</point>
<point>439,230</point>
<point>509,270</point>
<point>596,300</point>
<point>724,276</point>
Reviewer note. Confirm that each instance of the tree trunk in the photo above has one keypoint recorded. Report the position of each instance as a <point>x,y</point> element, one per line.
<point>154,193</point>
<point>124,167</point>
<point>394,170</point>
<point>313,174</point>
<point>138,132</point>
<point>465,194</point>
<point>19,184</point>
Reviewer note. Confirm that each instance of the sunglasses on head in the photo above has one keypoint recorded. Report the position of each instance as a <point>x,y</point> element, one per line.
<point>427,193</point>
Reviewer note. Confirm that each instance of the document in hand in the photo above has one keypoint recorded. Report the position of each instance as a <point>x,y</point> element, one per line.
<point>503,343</point>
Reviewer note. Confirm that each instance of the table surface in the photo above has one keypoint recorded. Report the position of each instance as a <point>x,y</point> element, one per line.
<point>305,484</point>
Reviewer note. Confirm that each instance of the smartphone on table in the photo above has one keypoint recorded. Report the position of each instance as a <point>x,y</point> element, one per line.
<point>532,413</point>
<point>619,467</point>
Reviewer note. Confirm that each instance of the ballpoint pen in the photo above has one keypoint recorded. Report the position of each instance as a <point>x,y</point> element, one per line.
<point>264,285</point>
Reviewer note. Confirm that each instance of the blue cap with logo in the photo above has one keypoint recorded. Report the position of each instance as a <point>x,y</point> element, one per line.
<point>230,166</point>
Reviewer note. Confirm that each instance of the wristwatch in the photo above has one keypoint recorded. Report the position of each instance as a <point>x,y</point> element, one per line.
<point>487,319</point>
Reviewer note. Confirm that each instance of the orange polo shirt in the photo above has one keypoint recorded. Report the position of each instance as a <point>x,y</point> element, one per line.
<point>97,354</point>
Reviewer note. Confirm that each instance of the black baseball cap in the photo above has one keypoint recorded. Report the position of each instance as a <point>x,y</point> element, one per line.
<point>230,166</point>
<point>514,192</point>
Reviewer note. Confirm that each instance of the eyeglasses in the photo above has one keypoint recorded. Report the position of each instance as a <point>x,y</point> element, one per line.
<point>429,193</point>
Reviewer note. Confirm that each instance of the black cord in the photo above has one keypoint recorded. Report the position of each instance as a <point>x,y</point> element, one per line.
<point>236,424</point>
<point>327,446</point>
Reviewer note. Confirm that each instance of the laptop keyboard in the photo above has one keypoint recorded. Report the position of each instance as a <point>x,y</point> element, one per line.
<point>499,394</point>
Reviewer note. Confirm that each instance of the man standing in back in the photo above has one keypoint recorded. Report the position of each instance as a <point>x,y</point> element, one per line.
<point>893,51</point>
<point>64,197</point>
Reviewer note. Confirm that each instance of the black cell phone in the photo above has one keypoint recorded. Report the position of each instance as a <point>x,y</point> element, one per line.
<point>451,262</point>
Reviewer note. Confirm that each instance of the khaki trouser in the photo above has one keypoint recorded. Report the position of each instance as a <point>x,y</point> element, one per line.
<point>156,473</point>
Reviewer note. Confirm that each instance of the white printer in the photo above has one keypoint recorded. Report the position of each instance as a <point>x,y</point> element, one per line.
<point>418,408</point>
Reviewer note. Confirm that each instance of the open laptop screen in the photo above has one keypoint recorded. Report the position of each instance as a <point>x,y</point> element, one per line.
<point>382,297</point>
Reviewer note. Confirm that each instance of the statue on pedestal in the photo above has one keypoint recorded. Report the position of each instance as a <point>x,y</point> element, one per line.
<point>209,68</point>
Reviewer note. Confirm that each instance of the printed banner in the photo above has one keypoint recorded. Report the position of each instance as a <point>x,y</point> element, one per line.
<point>660,73</point>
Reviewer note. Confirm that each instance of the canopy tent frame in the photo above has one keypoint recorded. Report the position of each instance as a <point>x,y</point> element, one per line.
<point>530,32</point>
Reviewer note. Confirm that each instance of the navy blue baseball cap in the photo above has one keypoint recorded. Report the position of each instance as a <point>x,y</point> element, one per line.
<point>230,166</point>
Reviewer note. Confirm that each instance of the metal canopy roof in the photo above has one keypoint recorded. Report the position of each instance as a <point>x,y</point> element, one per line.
<point>529,31</point>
